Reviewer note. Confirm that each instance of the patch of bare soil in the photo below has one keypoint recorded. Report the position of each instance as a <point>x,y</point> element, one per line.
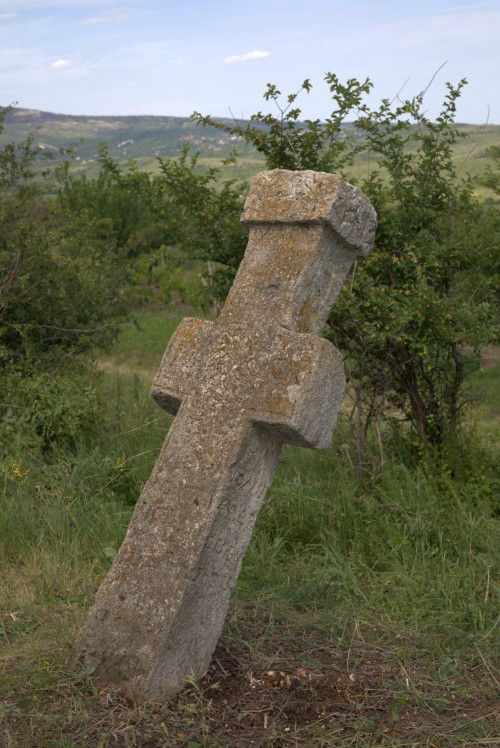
<point>362,696</point>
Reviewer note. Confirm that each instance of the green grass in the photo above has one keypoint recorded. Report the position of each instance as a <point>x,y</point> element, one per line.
<point>142,344</point>
<point>378,598</point>
<point>487,399</point>
<point>417,548</point>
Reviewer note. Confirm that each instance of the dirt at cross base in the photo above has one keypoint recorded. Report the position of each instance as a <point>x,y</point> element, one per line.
<point>276,684</point>
<point>306,692</point>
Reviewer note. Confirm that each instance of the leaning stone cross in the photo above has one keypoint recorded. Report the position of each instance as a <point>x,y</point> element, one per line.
<point>240,387</point>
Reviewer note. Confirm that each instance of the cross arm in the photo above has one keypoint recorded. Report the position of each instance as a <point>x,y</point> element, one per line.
<point>302,390</point>
<point>174,378</point>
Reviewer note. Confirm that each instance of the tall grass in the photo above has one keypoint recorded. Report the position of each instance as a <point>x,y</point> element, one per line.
<point>402,564</point>
<point>65,504</point>
<point>413,553</point>
<point>410,551</point>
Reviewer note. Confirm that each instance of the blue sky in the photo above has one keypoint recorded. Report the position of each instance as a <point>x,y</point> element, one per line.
<point>170,57</point>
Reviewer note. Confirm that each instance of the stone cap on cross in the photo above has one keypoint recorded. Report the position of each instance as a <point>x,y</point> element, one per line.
<point>306,229</point>
<point>315,198</point>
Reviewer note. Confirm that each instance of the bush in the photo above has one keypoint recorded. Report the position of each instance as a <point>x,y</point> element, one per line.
<point>204,216</point>
<point>61,296</point>
<point>413,318</point>
<point>42,408</point>
<point>61,289</point>
<point>416,314</point>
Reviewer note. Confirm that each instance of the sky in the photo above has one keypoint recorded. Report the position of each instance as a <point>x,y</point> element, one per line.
<point>171,57</point>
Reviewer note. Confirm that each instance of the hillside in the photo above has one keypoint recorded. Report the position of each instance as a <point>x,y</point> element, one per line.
<point>142,138</point>
<point>145,138</point>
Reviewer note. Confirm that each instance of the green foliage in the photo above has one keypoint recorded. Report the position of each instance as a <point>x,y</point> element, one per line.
<point>23,165</point>
<point>184,280</point>
<point>61,296</point>
<point>288,143</point>
<point>414,317</point>
<point>394,541</point>
<point>140,347</point>
<point>60,287</point>
<point>42,408</point>
<point>76,450</point>
<point>134,229</point>
<point>143,228</point>
<point>491,176</point>
<point>204,215</point>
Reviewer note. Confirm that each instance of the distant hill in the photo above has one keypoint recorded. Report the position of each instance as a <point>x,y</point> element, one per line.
<point>144,138</point>
<point>137,137</point>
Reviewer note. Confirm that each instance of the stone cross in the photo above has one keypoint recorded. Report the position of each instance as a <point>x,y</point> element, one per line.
<point>240,387</point>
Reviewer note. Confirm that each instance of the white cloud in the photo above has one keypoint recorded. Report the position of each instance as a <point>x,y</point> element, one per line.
<point>6,16</point>
<point>114,14</point>
<point>255,55</point>
<point>61,64</point>
<point>94,21</point>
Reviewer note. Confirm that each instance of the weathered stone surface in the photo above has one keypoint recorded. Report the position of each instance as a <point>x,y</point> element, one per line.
<point>240,387</point>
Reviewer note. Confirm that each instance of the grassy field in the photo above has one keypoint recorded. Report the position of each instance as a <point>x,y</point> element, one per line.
<point>366,613</point>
